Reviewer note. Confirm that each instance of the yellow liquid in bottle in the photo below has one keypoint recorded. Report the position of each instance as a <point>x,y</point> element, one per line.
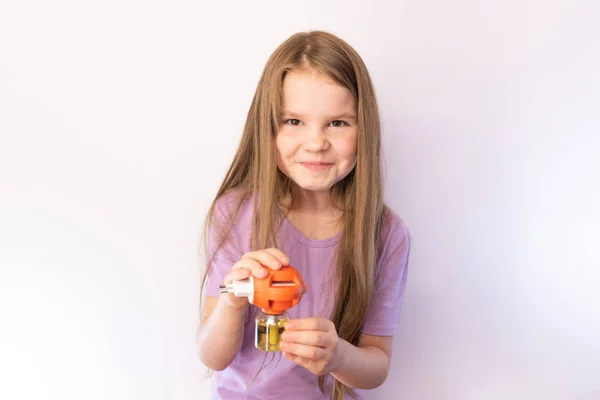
<point>268,332</point>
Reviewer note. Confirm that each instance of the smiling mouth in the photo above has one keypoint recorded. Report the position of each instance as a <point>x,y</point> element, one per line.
<point>316,166</point>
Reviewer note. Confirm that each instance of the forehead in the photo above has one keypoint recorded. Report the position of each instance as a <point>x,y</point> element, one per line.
<point>309,92</point>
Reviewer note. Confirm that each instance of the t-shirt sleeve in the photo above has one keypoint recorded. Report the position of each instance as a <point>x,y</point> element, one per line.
<point>383,316</point>
<point>222,251</point>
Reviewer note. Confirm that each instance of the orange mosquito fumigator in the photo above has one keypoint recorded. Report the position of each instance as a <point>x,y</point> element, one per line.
<point>274,294</point>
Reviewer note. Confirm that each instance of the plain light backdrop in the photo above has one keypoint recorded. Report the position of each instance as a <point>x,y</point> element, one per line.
<point>118,120</point>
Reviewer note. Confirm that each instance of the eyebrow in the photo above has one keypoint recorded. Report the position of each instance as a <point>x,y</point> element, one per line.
<point>335,117</point>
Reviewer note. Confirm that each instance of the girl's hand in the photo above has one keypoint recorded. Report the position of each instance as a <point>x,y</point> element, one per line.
<point>253,263</point>
<point>312,343</point>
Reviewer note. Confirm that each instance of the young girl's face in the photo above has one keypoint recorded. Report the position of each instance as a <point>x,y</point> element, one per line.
<point>316,141</point>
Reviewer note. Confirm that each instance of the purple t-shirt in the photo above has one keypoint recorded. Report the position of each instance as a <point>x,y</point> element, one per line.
<point>312,258</point>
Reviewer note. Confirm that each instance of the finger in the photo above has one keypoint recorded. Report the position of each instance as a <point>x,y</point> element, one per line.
<point>280,255</point>
<point>310,338</point>
<point>310,324</point>
<point>248,263</point>
<point>312,353</point>
<point>237,274</point>
<point>264,258</point>
<point>296,359</point>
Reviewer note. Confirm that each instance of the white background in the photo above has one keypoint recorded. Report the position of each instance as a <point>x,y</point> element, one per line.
<point>119,118</point>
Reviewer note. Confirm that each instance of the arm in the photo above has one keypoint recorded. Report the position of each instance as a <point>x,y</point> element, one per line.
<point>219,336</point>
<point>314,344</point>
<point>365,366</point>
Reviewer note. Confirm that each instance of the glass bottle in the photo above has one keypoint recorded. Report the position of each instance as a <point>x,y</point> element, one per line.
<point>269,328</point>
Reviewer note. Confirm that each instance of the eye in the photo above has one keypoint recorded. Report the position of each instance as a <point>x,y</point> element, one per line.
<point>292,121</point>
<point>338,124</point>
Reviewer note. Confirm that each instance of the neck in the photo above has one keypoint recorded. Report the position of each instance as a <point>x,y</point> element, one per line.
<point>315,214</point>
<point>314,202</point>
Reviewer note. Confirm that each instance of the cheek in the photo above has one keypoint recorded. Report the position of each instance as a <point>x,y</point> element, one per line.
<point>347,148</point>
<point>278,142</point>
<point>281,153</point>
<point>279,147</point>
<point>285,146</point>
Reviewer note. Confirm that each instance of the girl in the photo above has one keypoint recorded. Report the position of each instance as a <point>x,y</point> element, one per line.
<point>305,189</point>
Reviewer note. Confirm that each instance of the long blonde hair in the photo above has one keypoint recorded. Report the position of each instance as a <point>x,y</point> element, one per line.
<point>360,194</point>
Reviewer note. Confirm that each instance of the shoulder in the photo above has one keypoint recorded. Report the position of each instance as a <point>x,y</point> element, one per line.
<point>231,210</point>
<point>232,203</point>
<point>393,227</point>
<point>229,224</point>
<point>394,236</point>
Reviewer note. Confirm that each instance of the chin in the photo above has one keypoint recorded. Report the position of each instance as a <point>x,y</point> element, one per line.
<point>314,187</point>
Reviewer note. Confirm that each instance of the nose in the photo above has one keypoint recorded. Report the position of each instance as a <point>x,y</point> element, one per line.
<point>316,141</point>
